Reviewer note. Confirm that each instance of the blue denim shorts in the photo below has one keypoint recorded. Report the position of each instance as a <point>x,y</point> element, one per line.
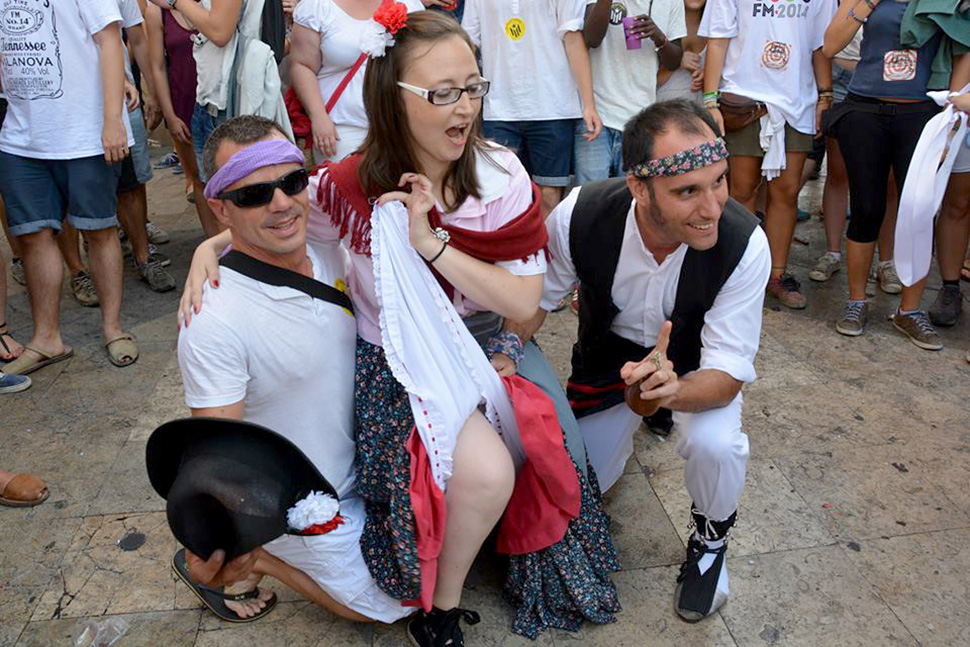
<point>39,193</point>
<point>203,123</point>
<point>841,78</point>
<point>140,157</point>
<point>600,158</point>
<point>545,148</point>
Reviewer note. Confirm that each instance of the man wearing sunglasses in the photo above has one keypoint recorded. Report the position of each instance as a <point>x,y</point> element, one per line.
<point>275,345</point>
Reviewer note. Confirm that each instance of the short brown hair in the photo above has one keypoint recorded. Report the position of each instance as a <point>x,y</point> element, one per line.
<point>244,129</point>
<point>388,151</point>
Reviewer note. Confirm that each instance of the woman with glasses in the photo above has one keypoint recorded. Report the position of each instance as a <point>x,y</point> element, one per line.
<point>326,68</point>
<point>423,101</point>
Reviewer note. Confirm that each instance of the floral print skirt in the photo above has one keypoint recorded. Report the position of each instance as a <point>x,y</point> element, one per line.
<point>560,586</point>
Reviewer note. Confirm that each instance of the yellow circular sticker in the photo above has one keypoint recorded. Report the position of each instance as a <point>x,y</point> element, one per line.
<point>515,29</point>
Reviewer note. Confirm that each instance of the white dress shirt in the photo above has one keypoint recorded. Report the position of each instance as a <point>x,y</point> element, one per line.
<point>645,291</point>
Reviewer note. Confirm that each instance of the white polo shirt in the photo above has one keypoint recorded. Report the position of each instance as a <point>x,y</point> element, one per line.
<point>645,293</point>
<point>288,356</point>
<point>524,58</point>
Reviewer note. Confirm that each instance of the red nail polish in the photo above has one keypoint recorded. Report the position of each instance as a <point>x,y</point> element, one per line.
<point>215,283</point>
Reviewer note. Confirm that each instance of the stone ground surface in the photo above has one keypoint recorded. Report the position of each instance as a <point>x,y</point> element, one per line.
<point>854,528</point>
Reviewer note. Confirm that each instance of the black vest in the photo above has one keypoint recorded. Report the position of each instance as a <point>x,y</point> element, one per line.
<point>595,240</point>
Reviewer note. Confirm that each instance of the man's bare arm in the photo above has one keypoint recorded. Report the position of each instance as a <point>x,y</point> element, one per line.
<point>525,330</point>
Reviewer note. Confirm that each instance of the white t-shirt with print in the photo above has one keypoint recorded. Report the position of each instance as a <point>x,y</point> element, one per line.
<point>625,80</point>
<point>288,356</point>
<point>524,58</point>
<point>52,78</point>
<point>769,57</point>
<point>340,44</point>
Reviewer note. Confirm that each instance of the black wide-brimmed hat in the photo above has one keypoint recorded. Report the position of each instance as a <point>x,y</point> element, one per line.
<point>228,484</point>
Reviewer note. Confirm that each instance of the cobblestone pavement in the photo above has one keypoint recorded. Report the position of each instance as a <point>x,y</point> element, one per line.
<point>854,528</point>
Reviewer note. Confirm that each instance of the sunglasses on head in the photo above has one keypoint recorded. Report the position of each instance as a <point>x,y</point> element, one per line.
<point>257,195</point>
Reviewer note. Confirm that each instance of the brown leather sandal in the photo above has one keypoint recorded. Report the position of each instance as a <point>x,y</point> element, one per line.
<point>22,490</point>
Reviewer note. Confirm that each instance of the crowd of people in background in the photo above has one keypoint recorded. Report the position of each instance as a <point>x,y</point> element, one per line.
<point>559,98</point>
<point>790,86</point>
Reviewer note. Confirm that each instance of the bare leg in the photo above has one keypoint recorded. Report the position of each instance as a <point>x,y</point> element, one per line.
<point>744,179</point>
<point>15,348</point>
<point>835,196</point>
<point>912,295</point>
<point>210,225</point>
<point>69,242</point>
<point>44,272</point>
<point>953,227</point>
<point>133,216</point>
<point>13,240</point>
<point>479,490</point>
<point>551,196</point>
<point>105,256</point>
<point>303,584</point>
<point>859,261</point>
<point>781,211</point>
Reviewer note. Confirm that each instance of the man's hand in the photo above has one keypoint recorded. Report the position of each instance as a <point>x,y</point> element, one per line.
<point>594,125</point>
<point>653,376</point>
<point>289,6</point>
<point>691,61</point>
<point>178,129</point>
<point>114,139</point>
<point>152,112</point>
<point>697,80</point>
<point>645,27</point>
<point>962,102</point>
<point>820,107</point>
<point>131,97</point>
<point>215,572</point>
<point>504,365</point>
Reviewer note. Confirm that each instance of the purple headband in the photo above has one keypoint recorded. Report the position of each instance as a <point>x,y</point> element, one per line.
<point>683,162</point>
<point>252,158</point>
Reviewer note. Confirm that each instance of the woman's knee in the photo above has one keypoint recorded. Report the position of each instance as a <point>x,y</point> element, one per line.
<point>482,466</point>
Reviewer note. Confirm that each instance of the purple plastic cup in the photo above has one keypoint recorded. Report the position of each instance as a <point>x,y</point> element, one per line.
<point>632,41</point>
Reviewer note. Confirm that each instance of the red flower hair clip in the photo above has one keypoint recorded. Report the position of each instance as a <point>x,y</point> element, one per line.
<point>392,15</point>
<point>389,18</point>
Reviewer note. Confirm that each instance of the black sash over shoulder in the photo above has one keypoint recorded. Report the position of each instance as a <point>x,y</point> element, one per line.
<point>273,275</point>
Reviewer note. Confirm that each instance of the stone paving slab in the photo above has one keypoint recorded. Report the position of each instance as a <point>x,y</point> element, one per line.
<point>853,527</point>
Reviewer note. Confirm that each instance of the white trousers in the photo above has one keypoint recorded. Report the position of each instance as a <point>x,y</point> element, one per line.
<point>712,443</point>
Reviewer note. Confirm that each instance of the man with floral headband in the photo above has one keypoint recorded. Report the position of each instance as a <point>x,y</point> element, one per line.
<point>671,277</point>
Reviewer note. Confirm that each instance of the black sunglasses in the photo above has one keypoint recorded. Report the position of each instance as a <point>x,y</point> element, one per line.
<point>256,195</point>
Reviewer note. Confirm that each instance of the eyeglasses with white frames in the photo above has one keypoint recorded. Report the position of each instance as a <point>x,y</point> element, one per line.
<point>445,96</point>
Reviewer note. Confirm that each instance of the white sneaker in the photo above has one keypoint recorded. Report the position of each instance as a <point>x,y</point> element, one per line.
<point>827,265</point>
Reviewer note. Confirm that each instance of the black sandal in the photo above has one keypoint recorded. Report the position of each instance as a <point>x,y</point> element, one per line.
<point>6,333</point>
<point>215,599</point>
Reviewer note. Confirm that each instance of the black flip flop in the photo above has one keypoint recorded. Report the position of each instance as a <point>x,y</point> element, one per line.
<point>215,599</point>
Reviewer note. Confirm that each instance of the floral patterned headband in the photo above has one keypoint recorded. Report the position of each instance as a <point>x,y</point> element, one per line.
<point>389,18</point>
<point>683,162</point>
